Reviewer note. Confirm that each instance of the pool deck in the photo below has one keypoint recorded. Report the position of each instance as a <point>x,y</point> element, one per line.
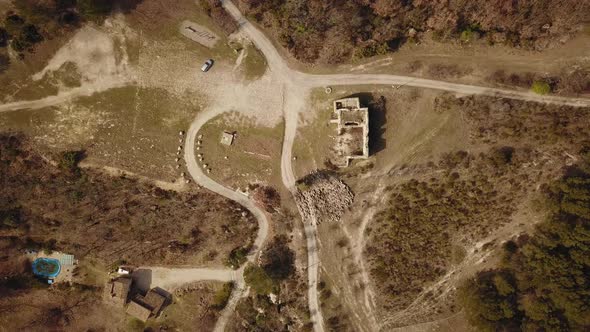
<point>67,262</point>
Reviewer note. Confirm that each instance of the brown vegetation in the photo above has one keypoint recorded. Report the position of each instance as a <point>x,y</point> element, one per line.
<point>332,32</point>
<point>472,196</point>
<point>501,121</point>
<point>542,283</point>
<point>94,215</point>
<point>439,71</point>
<point>214,9</point>
<point>277,274</point>
<point>33,21</point>
<point>574,81</point>
<point>39,308</point>
<point>460,198</point>
<point>268,197</point>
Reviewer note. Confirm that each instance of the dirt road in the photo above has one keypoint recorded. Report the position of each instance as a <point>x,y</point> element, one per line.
<point>197,174</point>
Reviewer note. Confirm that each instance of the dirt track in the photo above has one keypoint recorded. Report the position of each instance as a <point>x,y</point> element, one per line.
<point>198,175</point>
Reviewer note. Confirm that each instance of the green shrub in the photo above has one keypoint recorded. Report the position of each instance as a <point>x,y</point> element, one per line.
<point>541,87</point>
<point>302,186</point>
<point>222,296</point>
<point>237,257</point>
<point>257,278</point>
<point>469,35</point>
<point>551,267</point>
<point>69,160</point>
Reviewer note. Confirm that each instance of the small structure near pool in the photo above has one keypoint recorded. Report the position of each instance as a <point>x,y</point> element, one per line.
<point>46,268</point>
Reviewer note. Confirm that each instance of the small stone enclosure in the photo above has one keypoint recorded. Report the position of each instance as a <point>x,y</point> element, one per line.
<point>352,141</point>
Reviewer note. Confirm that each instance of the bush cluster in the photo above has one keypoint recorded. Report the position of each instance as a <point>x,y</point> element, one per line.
<point>544,281</point>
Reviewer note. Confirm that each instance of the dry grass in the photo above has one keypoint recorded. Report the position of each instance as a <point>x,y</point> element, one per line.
<point>76,308</point>
<point>253,158</point>
<point>254,65</point>
<point>192,306</point>
<point>131,128</point>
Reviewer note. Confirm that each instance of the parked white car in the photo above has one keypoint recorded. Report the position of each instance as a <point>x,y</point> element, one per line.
<point>207,65</point>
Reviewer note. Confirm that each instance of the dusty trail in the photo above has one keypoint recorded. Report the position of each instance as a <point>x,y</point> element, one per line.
<point>314,81</point>
<point>84,91</point>
<point>197,174</point>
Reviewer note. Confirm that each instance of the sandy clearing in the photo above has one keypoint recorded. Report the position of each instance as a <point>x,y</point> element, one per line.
<point>172,278</point>
<point>93,53</point>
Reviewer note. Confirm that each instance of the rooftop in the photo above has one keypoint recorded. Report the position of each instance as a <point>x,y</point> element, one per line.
<point>154,301</point>
<point>138,311</point>
<point>227,138</point>
<point>116,291</point>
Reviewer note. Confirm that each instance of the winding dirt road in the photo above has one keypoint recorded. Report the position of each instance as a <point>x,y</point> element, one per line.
<point>197,174</point>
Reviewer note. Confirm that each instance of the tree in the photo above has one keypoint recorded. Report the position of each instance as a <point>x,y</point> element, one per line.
<point>13,24</point>
<point>552,268</point>
<point>490,301</point>
<point>278,259</point>
<point>95,10</point>
<point>237,257</point>
<point>3,37</point>
<point>269,197</point>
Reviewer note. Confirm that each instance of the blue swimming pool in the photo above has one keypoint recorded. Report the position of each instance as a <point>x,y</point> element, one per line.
<point>46,267</point>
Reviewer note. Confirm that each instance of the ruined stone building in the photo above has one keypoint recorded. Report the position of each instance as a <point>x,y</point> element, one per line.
<point>352,141</point>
